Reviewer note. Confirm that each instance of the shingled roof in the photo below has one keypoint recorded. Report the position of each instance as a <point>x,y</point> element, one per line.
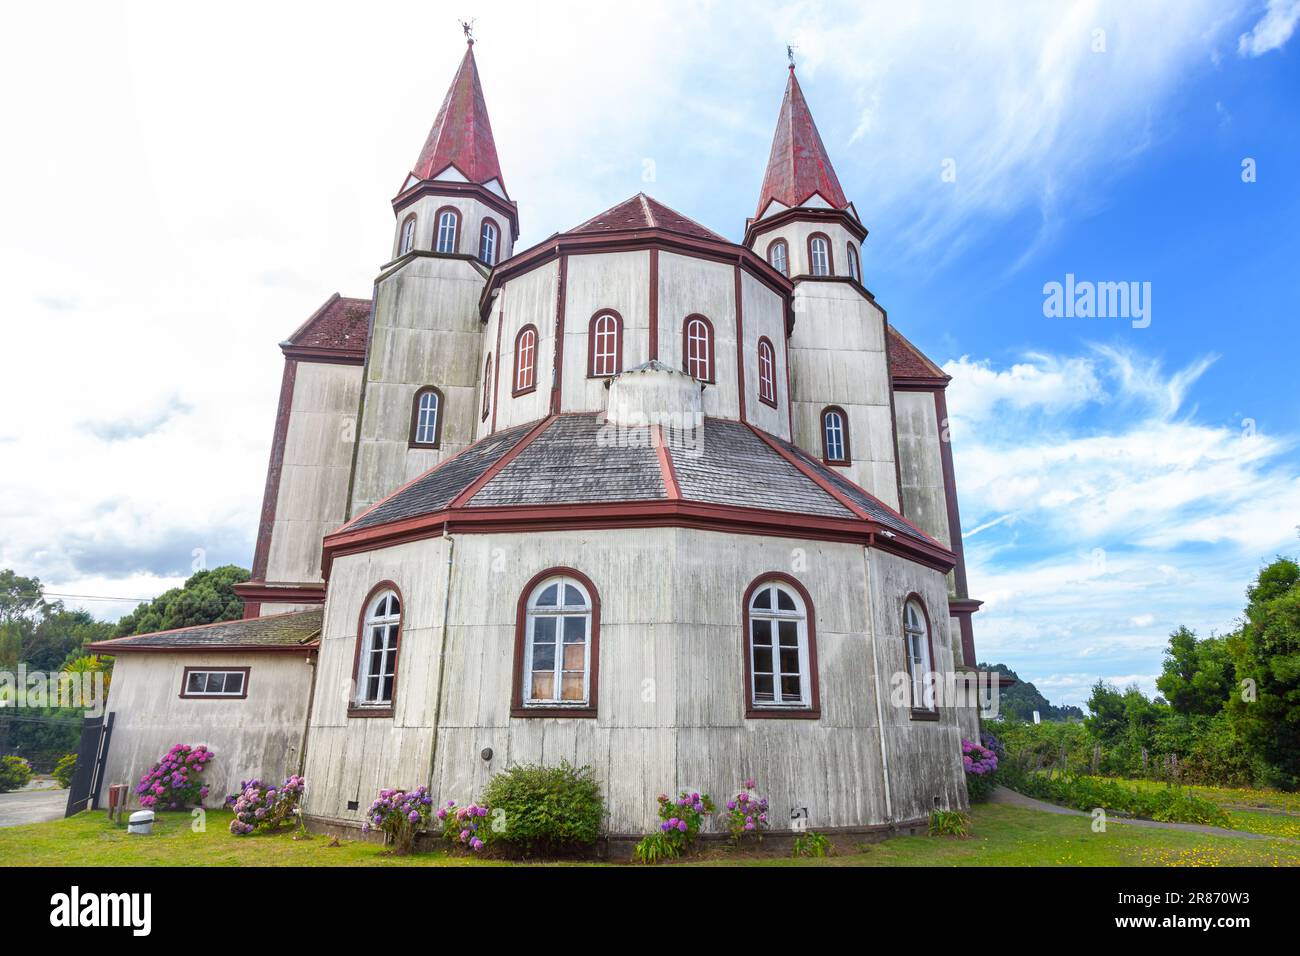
<point>644,212</point>
<point>296,630</point>
<point>577,460</point>
<point>340,325</point>
<point>906,361</point>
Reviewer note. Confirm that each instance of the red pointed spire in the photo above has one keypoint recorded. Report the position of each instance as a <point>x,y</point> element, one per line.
<point>798,166</point>
<point>462,134</point>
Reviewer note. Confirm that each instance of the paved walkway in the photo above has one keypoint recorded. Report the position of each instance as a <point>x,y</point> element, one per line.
<point>1014,799</point>
<point>32,806</point>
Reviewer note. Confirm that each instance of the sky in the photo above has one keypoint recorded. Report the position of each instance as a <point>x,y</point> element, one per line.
<point>183,185</point>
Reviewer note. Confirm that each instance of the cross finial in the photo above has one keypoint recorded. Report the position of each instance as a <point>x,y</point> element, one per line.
<point>468,27</point>
<point>789,53</point>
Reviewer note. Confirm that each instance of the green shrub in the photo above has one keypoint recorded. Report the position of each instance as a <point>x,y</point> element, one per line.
<point>949,823</point>
<point>15,773</point>
<point>812,843</point>
<point>548,810</point>
<point>1168,804</point>
<point>64,770</point>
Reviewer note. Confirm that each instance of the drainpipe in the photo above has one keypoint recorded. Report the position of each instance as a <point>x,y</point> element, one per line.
<point>875,677</point>
<point>311,700</point>
<point>442,654</point>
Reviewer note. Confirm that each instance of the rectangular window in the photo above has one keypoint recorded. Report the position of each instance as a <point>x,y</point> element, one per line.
<point>215,683</point>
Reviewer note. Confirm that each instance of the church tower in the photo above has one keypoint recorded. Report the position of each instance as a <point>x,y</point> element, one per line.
<point>808,230</point>
<point>454,221</point>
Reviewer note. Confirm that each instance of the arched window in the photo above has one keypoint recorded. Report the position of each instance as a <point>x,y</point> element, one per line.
<point>375,667</point>
<point>855,270</point>
<point>557,641</point>
<point>605,344</point>
<point>766,372</point>
<point>819,254</point>
<point>525,360</point>
<point>916,636</point>
<point>697,347</point>
<point>487,387</point>
<point>487,242</point>
<point>835,435</point>
<point>407,242</point>
<point>778,255</point>
<point>780,648</point>
<point>448,229</point>
<point>426,418</point>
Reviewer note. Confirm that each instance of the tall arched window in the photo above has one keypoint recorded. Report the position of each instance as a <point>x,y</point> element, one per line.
<point>916,636</point>
<point>407,241</point>
<point>819,254</point>
<point>778,255</point>
<point>835,435</point>
<point>487,387</point>
<point>525,360</point>
<point>375,667</point>
<point>855,269</point>
<point>780,648</point>
<point>448,229</point>
<point>605,344</point>
<point>426,418</point>
<point>766,372</point>
<point>557,642</point>
<point>487,242</point>
<point>697,347</point>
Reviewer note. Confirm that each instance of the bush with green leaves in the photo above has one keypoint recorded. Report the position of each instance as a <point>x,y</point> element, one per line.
<point>1168,804</point>
<point>949,823</point>
<point>679,827</point>
<point>64,769</point>
<point>544,810</point>
<point>812,843</point>
<point>15,773</point>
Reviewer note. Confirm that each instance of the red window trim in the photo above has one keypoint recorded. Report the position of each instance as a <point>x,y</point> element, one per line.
<point>517,706</point>
<point>185,682</point>
<point>415,418</point>
<point>386,711</point>
<point>515,390</point>
<point>708,345</point>
<point>487,394</point>
<point>770,400</point>
<point>496,247</point>
<point>437,228</point>
<point>778,241</point>
<point>618,344</point>
<point>830,253</point>
<point>918,713</point>
<point>753,711</point>
<point>402,232</point>
<point>844,419</point>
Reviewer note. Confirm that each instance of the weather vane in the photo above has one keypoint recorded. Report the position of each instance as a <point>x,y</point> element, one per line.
<point>468,27</point>
<point>789,52</point>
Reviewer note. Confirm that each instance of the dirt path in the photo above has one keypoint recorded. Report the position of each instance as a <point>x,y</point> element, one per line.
<point>1014,799</point>
<point>32,806</point>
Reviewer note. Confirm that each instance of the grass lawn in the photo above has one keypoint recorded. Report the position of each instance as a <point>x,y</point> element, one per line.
<point>1230,798</point>
<point>1001,836</point>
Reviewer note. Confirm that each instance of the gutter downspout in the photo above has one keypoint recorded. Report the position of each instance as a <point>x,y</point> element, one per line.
<point>875,678</point>
<point>442,654</point>
<point>311,702</point>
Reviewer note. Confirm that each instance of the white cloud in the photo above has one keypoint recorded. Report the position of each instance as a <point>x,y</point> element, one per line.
<point>1273,29</point>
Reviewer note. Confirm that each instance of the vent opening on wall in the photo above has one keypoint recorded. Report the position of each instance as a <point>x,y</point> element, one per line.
<point>353,805</point>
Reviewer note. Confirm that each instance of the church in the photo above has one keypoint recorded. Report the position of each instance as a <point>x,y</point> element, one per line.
<point>637,497</point>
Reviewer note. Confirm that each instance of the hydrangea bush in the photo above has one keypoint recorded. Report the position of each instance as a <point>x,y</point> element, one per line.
<point>464,826</point>
<point>980,764</point>
<point>399,815</point>
<point>174,782</point>
<point>680,826</point>
<point>746,814</point>
<point>258,806</point>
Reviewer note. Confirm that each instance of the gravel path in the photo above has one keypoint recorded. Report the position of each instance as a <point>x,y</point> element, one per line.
<point>32,806</point>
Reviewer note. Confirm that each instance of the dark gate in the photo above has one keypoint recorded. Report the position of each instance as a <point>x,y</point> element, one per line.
<point>96,733</point>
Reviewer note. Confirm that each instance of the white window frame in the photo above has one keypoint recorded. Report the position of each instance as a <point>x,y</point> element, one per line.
<point>379,616</point>
<point>833,435</point>
<point>604,349</point>
<point>780,257</point>
<point>407,242</point>
<point>819,251</point>
<point>855,272</point>
<point>916,639</point>
<point>766,371</point>
<point>487,243</point>
<point>426,418</point>
<point>774,615</point>
<point>207,674</point>
<point>525,360</point>
<point>559,613</point>
<point>448,227</point>
<point>698,341</point>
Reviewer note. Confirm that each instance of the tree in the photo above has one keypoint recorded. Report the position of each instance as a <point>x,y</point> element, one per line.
<point>1198,675</point>
<point>207,596</point>
<point>1021,699</point>
<point>60,635</point>
<point>20,598</point>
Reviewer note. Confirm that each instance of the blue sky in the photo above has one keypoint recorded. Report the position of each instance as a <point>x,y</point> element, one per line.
<point>196,188</point>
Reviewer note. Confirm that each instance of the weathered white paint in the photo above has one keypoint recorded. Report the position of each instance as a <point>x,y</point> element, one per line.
<point>259,736</point>
<point>618,281</point>
<point>526,299</point>
<point>655,394</point>
<point>472,213</point>
<point>671,698</point>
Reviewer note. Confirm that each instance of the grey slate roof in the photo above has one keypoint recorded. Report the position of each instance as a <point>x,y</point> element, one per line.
<point>581,459</point>
<point>276,630</point>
